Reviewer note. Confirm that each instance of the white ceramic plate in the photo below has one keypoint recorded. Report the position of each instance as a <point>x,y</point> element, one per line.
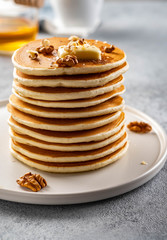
<point>117,178</point>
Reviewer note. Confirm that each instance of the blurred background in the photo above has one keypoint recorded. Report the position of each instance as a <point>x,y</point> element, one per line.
<point>138,27</point>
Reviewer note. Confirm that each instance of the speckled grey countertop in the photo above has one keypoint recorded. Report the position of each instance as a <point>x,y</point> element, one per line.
<point>140,28</point>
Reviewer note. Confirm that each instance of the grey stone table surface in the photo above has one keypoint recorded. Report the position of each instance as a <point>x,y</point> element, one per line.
<point>140,28</point>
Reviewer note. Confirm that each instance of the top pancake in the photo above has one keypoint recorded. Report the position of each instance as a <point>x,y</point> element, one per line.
<point>23,63</point>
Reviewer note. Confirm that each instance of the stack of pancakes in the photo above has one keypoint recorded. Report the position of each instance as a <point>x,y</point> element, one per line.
<point>67,119</point>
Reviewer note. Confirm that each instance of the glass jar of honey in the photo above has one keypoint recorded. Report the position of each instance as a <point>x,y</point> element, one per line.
<point>18,25</point>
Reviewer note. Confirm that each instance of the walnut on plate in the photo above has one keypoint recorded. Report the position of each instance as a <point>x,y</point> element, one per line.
<point>143,163</point>
<point>32,181</point>
<point>139,127</point>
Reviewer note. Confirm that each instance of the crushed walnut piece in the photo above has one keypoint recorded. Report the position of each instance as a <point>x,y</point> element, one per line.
<point>143,163</point>
<point>74,41</point>
<point>109,49</point>
<point>32,181</point>
<point>75,44</point>
<point>67,61</point>
<point>46,47</point>
<point>139,127</point>
<point>73,38</point>
<point>33,54</point>
<point>81,41</point>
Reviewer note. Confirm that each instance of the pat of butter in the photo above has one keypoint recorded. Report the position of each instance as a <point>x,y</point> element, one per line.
<point>85,52</point>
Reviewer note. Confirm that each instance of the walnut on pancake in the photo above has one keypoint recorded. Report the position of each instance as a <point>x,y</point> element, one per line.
<point>32,181</point>
<point>67,61</point>
<point>46,47</point>
<point>139,127</point>
<point>33,54</point>
<point>73,38</point>
<point>108,49</point>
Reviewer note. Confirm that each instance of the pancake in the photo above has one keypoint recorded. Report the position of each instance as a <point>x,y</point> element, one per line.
<point>87,102</point>
<point>24,64</point>
<point>21,138</point>
<point>59,156</point>
<point>61,93</point>
<point>97,134</point>
<point>68,118</point>
<point>75,81</point>
<point>112,105</point>
<point>71,167</point>
<point>56,124</point>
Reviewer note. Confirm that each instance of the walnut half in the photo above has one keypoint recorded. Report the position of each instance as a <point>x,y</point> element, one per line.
<point>67,61</point>
<point>139,127</point>
<point>32,181</point>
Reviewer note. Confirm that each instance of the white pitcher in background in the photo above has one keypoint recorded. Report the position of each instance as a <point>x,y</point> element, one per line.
<point>76,16</point>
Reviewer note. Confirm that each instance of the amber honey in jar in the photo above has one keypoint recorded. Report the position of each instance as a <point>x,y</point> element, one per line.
<point>18,25</point>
